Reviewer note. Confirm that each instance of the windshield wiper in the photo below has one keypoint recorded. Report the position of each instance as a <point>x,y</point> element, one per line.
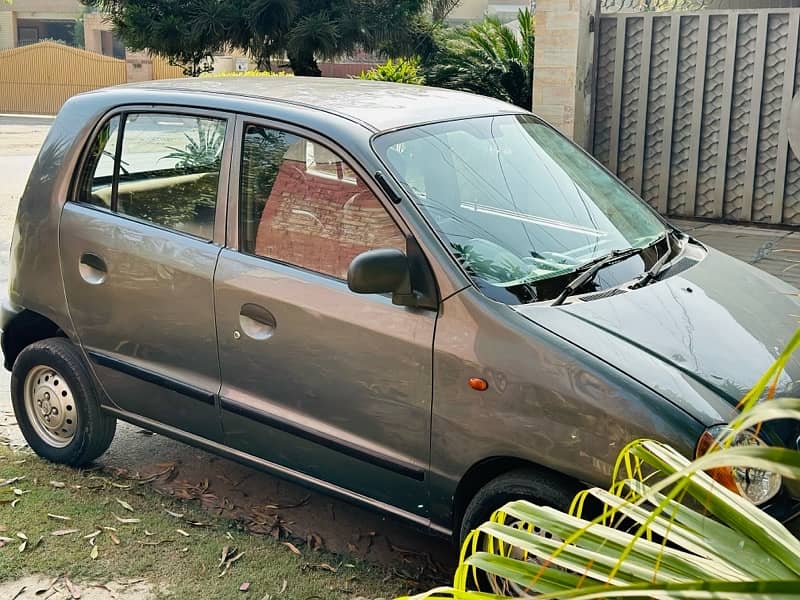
<point>591,268</point>
<point>654,271</point>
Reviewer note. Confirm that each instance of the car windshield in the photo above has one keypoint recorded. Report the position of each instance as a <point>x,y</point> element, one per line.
<point>517,202</point>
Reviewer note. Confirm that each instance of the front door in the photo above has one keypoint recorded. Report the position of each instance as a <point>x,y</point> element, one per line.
<point>138,251</point>
<point>317,379</point>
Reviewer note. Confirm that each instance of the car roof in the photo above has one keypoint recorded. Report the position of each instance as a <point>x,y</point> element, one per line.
<point>376,104</point>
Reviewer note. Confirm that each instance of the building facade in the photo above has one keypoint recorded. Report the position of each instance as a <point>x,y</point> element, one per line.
<point>26,22</point>
<point>475,10</point>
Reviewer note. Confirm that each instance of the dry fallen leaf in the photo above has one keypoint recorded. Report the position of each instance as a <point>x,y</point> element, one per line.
<point>126,521</point>
<point>283,587</point>
<point>59,532</point>
<point>174,514</point>
<point>41,591</point>
<point>182,532</point>
<point>14,503</point>
<point>113,537</point>
<point>120,486</point>
<point>58,484</point>
<point>23,545</point>
<point>22,536</point>
<point>59,517</point>
<point>74,592</point>
<point>125,505</point>
<point>314,541</point>
<point>154,543</point>
<point>244,587</point>
<point>225,552</point>
<point>95,553</point>
<point>292,547</point>
<point>93,535</point>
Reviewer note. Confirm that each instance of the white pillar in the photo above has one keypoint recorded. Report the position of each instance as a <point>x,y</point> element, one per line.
<point>8,29</point>
<point>563,72</point>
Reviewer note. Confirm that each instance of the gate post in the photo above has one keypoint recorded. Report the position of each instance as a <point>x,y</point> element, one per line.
<point>563,74</point>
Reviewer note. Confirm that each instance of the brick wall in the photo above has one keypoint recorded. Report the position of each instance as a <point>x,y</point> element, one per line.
<point>322,223</point>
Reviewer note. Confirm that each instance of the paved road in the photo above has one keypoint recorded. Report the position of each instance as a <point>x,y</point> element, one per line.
<point>240,492</point>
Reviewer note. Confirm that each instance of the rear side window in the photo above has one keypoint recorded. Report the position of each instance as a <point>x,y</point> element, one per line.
<point>159,168</point>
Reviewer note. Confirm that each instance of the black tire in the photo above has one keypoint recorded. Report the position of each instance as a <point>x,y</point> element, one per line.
<point>522,484</point>
<point>95,428</point>
<point>546,489</point>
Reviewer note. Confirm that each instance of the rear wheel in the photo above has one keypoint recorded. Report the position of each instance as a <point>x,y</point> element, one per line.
<point>522,484</point>
<point>57,405</point>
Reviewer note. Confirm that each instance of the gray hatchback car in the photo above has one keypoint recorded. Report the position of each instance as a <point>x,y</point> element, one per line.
<point>423,301</point>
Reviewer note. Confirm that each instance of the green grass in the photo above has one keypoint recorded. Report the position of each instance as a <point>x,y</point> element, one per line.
<point>180,566</point>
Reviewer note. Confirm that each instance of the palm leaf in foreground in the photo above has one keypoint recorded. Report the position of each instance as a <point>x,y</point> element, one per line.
<point>667,529</point>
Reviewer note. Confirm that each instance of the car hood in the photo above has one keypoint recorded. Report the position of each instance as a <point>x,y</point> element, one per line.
<point>701,338</point>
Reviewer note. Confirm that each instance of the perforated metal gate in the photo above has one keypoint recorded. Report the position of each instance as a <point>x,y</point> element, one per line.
<point>691,111</point>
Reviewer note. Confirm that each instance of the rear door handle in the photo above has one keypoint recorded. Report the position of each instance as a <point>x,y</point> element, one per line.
<point>92,268</point>
<point>257,322</point>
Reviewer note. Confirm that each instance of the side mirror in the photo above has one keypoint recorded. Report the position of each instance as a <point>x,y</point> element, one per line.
<point>381,271</point>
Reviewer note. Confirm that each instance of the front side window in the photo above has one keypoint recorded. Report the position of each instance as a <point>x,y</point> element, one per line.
<point>165,170</point>
<point>301,204</point>
<point>519,205</point>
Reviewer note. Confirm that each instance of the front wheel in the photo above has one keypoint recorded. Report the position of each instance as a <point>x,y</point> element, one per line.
<point>522,484</point>
<point>57,405</point>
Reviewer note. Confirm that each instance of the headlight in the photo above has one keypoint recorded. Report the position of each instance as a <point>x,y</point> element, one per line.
<point>754,484</point>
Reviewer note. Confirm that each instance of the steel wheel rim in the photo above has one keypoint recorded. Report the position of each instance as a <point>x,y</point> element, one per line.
<point>50,406</point>
<point>503,587</point>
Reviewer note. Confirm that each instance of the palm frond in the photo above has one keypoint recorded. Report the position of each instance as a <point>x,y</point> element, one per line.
<point>666,528</point>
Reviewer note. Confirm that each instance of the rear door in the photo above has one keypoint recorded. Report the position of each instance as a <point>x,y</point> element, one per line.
<point>316,379</point>
<point>139,244</point>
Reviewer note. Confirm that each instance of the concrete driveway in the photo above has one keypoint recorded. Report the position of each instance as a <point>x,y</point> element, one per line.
<point>243,493</point>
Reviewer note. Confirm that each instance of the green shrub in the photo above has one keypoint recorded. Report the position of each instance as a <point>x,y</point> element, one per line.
<point>248,74</point>
<point>486,58</point>
<point>402,70</point>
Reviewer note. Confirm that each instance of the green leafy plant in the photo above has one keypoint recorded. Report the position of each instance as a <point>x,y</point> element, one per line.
<point>190,32</point>
<point>486,58</point>
<point>402,70</point>
<point>202,152</point>
<point>251,73</point>
<point>666,529</point>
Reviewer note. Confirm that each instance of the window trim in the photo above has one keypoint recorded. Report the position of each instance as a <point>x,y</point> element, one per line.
<point>122,111</point>
<point>242,122</point>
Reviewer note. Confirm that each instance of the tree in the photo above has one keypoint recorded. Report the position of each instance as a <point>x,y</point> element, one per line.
<point>486,58</point>
<point>440,9</point>
<point>189,32</point>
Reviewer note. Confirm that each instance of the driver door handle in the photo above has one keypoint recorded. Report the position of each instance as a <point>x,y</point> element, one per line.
<point>257,322</point>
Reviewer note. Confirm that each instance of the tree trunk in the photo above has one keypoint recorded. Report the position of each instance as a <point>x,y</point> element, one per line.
<point>263,63</point>
<point>304,64</point>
